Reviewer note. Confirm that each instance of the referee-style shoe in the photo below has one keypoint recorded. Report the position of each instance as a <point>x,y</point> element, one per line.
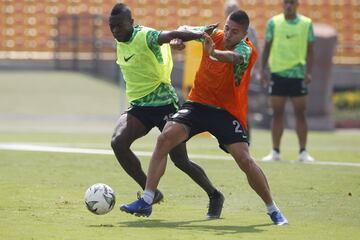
<point>139,208</point>
<point>215,205</point>
<point>278,218</point>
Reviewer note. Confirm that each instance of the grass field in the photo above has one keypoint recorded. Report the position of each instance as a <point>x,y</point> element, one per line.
<point>42,192</point>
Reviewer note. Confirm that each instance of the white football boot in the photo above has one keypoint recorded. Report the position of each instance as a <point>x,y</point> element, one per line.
<point>273,156</point>
<point>305,157</point>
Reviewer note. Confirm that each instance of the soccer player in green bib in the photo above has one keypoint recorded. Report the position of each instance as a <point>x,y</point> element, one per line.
<point>289,48</point>
<point>145,60</point>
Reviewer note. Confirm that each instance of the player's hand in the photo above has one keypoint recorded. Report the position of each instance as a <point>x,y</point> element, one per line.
<point>308,78</point>
<point>210,28</point>
<point>209,45</point>
<point>183,27</point>
<point>263,79</point>
<point>177,44</point>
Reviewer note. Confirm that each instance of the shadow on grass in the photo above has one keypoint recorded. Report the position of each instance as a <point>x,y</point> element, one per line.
<point>101,226</point>
<point>196,225</point>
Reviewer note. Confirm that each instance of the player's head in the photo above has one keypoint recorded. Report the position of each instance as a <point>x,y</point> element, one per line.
<point>290,7</point>
<point>236,27</point>
<point>121,22</point>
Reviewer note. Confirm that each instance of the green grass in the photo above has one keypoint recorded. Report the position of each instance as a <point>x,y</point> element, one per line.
<point>42,193</point>
<point>65,93</point>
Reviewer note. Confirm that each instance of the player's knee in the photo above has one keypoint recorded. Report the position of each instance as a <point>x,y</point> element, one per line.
<point>164,141</point>
<point>246,163</point>
<point>179,157</point>
<point>299,115</point>
<point>180,161</point>
<point>119,142</point>
<point>278,113</point>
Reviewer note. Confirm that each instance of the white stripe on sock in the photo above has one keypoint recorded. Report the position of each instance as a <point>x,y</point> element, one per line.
<point>148,196</point>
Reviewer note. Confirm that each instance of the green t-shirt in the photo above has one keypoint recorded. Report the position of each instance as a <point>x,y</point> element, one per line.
<point>165,94</point>
<point>298,70</point>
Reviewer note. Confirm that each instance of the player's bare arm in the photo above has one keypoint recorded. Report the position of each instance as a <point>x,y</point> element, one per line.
<point>264,61</point>
<point>185,35</point>
<point>222,56</point>
<point>309,63</point>
<point>178,44</point>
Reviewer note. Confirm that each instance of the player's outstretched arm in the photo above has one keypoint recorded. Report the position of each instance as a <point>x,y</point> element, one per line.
<point>179,44</point>
<point>222,56</point>
<point>186,33</point>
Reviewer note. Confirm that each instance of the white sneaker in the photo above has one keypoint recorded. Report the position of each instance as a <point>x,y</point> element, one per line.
<point>273,156</point>
<point>305,157</point>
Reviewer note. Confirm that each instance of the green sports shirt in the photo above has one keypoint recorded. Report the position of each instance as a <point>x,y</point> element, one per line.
<point>165,93</point>
<point>298,70</point>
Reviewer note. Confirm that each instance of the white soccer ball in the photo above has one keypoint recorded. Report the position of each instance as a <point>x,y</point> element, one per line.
<point>99,199</point>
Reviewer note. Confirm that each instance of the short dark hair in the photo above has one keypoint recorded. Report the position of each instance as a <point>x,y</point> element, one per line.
<point>121,8</point>
<point>240,17</point>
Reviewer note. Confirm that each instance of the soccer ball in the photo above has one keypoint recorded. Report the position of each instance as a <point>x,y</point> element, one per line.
<point>99,199</point>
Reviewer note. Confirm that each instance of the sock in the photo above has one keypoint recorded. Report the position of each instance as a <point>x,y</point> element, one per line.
<point>276,150</point>
<point>272,207</point>
<point>148,196</point>
<point>302,149</point>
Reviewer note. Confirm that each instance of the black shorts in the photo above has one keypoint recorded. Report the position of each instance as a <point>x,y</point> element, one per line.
<point>153,116</point>
<point>287,87</point>
<point>219,122</point>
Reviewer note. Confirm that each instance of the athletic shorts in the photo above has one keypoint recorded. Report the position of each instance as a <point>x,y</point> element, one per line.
<point>287,87</point>
<point>152,116</point>
<point>219,122</point>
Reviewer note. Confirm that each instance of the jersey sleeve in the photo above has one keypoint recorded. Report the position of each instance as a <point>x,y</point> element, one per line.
<point>152,38</point>
<point>245,52</point>
<point>269,32</point>
<point>311,35</point>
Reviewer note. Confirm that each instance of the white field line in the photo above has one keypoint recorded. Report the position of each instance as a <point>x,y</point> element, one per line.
<point>42,148</point>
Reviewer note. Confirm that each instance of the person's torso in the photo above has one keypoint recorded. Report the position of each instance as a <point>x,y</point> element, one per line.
<point>142,68</point>
<point>224,85</point>
<point>289,44</point>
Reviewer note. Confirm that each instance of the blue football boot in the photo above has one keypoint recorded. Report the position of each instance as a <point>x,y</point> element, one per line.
<point>139,208</point>
<point>278,218</point>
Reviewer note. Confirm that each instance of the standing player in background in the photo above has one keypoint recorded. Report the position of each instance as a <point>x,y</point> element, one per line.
<point>217,104</point>
<point>289,48</point>
<point>146,63</point>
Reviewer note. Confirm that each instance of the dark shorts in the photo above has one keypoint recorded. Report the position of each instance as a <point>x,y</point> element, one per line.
<point>287,87</point>
<point>220,123</point>
<point>152,116</point>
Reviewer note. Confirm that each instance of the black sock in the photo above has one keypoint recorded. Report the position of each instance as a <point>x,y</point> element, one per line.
<point>302,149</point>
<point>277,150</point>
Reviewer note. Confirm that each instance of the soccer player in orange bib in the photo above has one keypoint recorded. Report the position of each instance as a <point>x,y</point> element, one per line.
<point>217,104</point>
